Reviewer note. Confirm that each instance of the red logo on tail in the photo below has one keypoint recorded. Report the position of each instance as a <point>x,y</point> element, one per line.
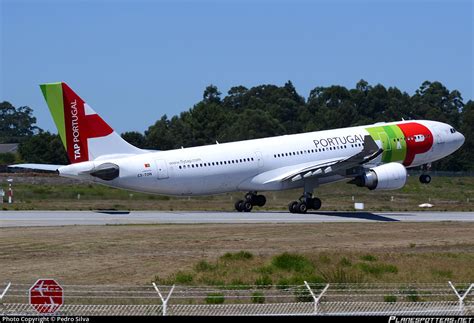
<point>80,127</point>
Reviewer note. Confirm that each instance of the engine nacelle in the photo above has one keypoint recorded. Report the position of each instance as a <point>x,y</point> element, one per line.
<point>391,176</point>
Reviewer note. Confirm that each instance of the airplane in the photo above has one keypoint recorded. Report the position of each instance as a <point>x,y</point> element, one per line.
<point>374,156</point>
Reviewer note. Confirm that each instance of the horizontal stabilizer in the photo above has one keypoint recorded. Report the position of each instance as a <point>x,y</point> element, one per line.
<point>42,167</point>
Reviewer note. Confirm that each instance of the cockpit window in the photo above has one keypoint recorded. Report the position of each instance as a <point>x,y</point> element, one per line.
<point>452,130</point>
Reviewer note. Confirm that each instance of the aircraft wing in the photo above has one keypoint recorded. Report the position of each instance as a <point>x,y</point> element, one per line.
<point>42,167</point>
<point>370,151</point>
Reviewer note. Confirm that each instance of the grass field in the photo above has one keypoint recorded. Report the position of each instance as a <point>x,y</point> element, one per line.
<point>233,254</point>
<point>219,254</point>
<point>50,193</point>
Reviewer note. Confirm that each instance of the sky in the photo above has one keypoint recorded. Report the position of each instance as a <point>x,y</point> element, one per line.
<point>133,61</point>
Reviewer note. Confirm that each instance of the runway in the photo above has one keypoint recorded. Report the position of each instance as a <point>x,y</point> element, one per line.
<point>62,218</point>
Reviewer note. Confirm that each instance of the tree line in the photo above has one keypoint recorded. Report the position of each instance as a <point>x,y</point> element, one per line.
<point>270,110</point>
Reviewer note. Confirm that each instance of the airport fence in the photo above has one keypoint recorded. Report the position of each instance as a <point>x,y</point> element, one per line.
<point>307,299</point>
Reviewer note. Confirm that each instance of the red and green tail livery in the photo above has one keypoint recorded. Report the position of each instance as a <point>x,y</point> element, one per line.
<point>85,135</point>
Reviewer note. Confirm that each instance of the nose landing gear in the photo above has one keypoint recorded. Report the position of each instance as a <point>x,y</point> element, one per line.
<point>425,178</point>
<point>251,200</point>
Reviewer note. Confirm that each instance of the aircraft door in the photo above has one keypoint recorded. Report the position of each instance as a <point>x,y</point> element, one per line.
<point>259,157</point>
<point>386,145</point>
<point>439,136</point>
<point>162,169</point>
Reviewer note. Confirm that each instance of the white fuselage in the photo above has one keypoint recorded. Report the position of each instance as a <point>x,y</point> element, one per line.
<point>250,165</point>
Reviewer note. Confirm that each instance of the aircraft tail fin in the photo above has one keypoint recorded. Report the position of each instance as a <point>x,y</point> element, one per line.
<point>85,135</point>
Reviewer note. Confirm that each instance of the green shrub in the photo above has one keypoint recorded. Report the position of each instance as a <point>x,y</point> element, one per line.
<point>263,281</point>
<point>241,255</point>
<point>183,278</point>
<point>265,270</point>
<point>368,258</point>
<point>215,298</point>
<point>203,265</point>
<point>7,158</point>
<point>390,298</point>
<point>258,298</point>
<point>411,295</point>
<point>283,283</point>
<point>292,262</point>
<point>344,262</point>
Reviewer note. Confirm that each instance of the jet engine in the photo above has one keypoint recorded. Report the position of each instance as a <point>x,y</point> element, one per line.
<point>391,176</point>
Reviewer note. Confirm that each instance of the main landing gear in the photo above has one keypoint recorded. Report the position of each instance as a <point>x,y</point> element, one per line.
<point>425,178</point>
<point>305,202</point>
<point>251,200</point>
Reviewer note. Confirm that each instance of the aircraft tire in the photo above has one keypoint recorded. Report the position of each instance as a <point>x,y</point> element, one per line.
<point>316,203</point>
<point>302,207</point>
<point>247,206</point>
<point>250,197</point>
<point>239,205</point>
<point>260,200</point>
<point>425,178</point>
<point>292,207</point>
